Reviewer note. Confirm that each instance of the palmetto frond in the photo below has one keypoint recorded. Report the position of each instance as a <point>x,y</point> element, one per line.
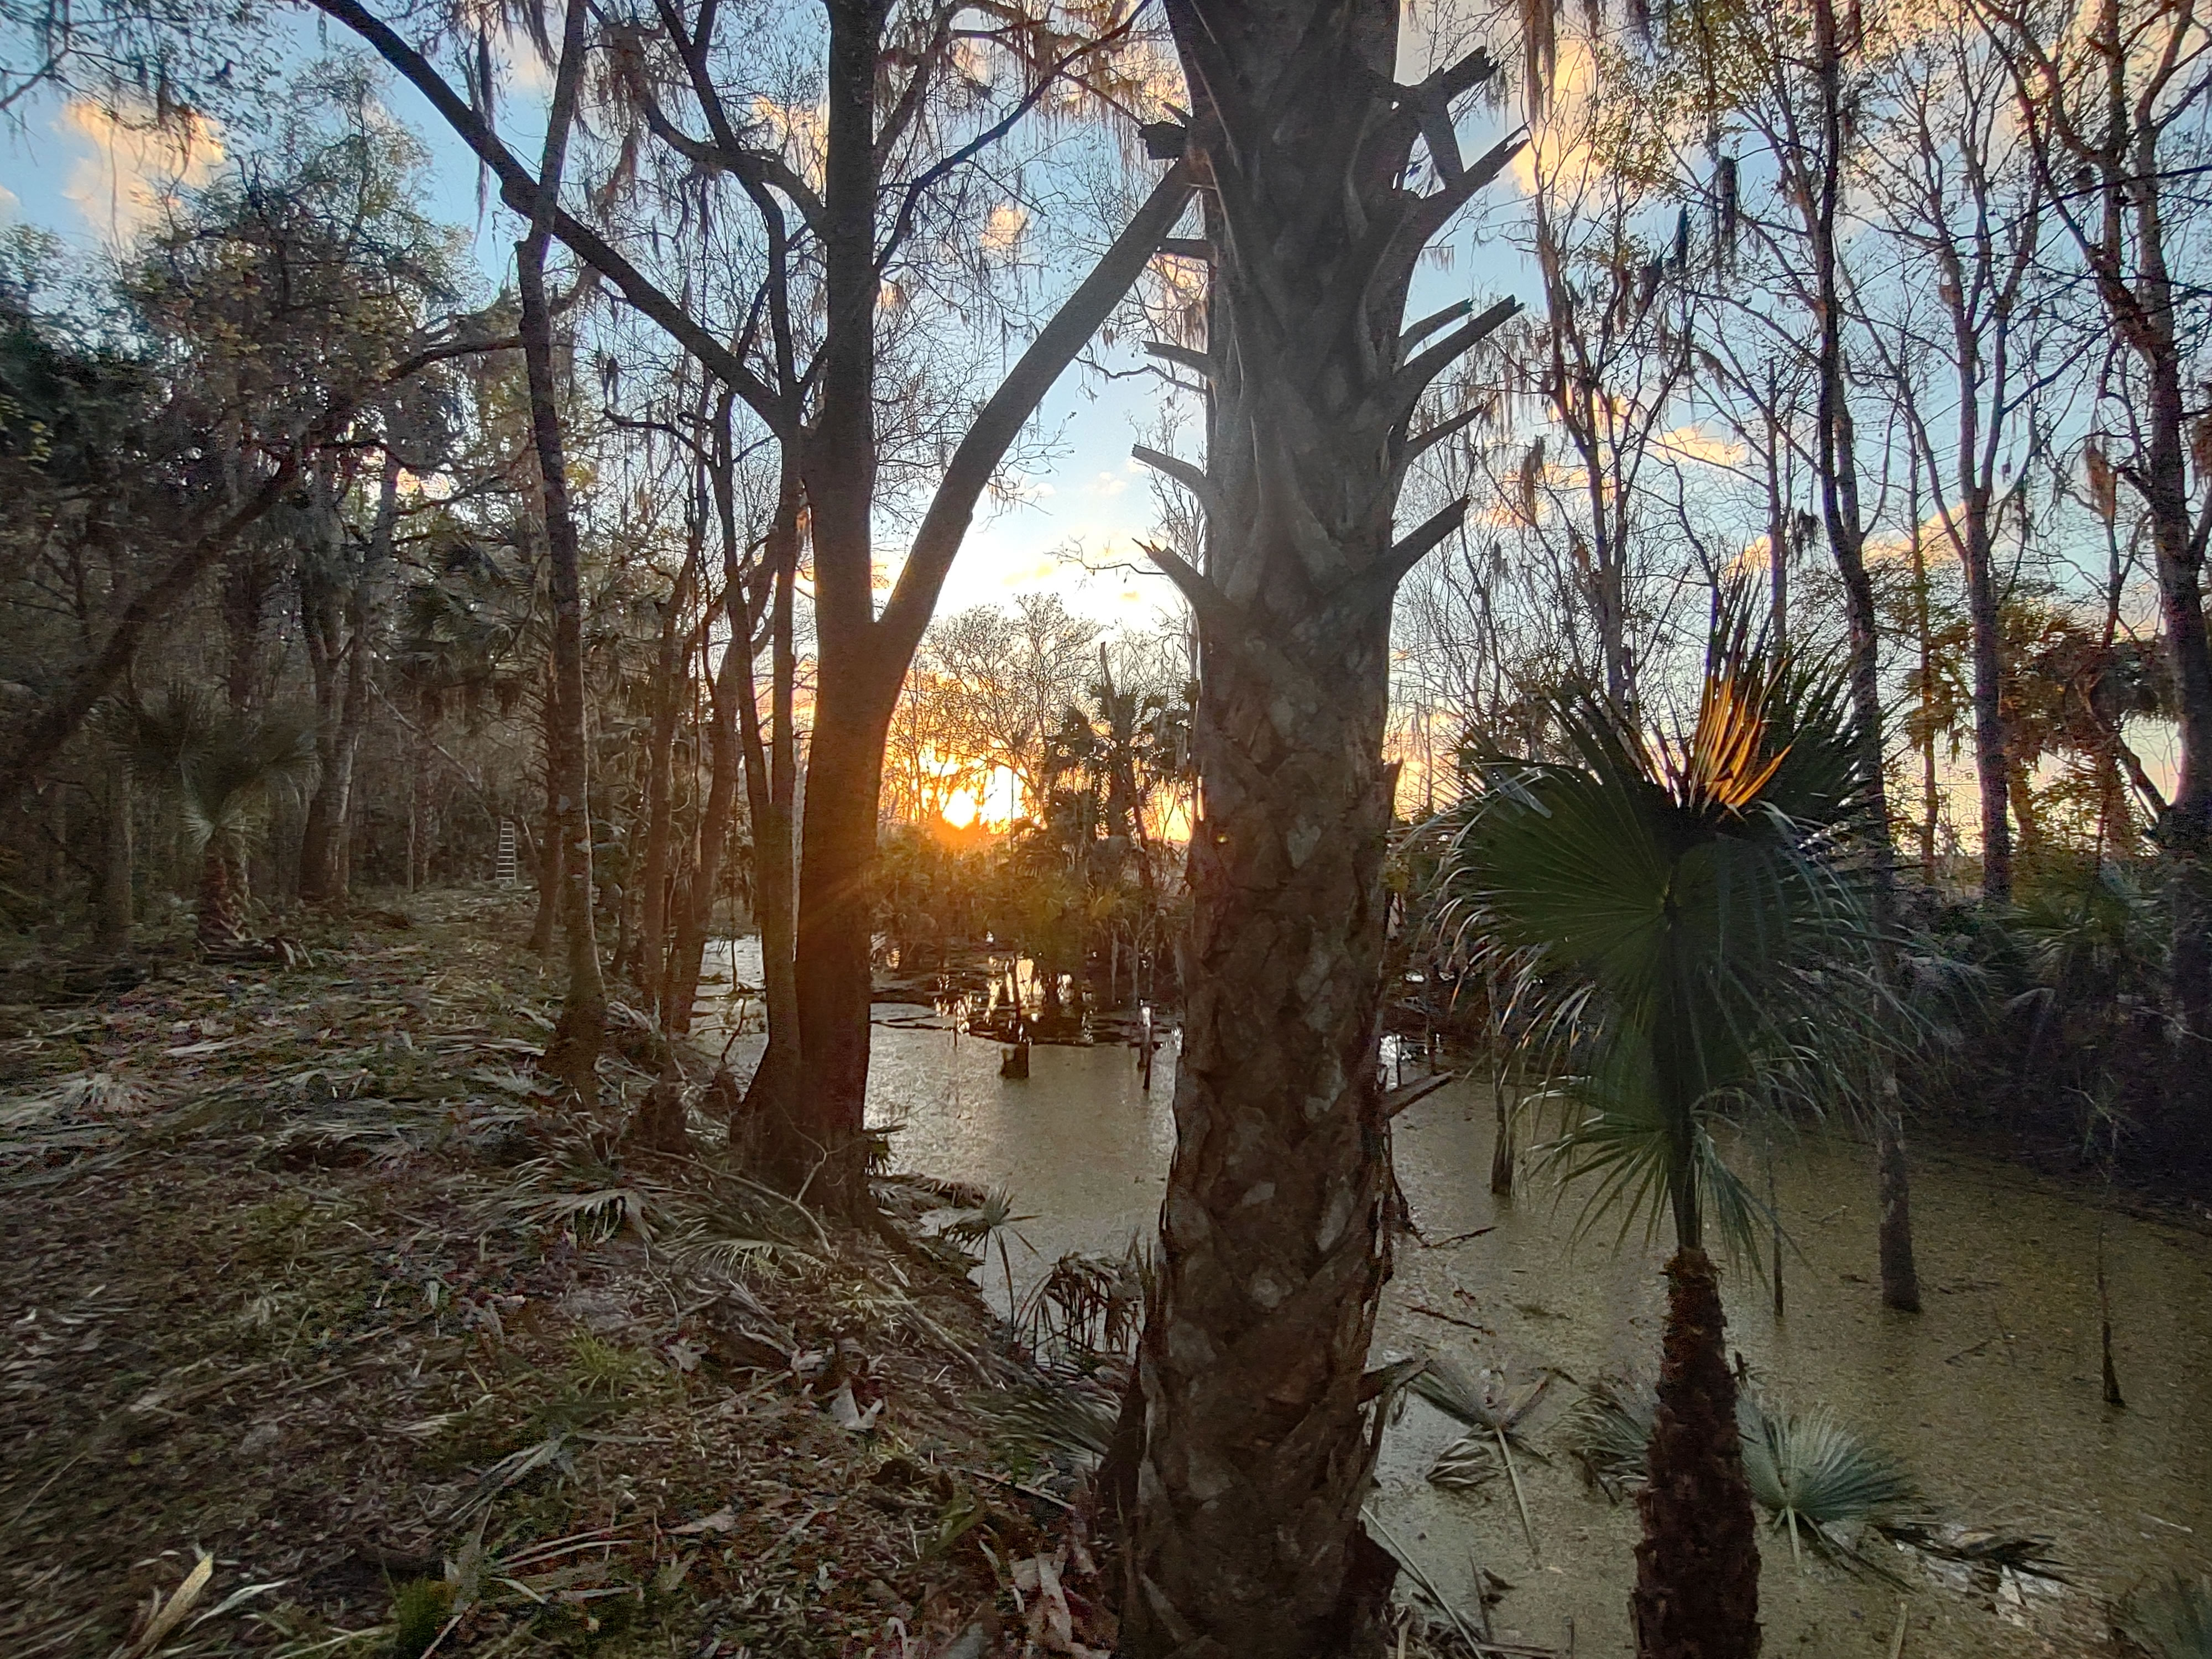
<point>1674,917</point>
<point>222,768</point>
<point>1815,1477</point>
<point>2172,1618</point>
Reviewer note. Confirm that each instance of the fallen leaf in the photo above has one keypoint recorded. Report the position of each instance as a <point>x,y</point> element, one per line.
<point>722,1520</point>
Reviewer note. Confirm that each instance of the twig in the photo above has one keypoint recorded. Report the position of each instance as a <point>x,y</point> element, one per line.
<point>1003,1481</point>
<point>1521,1503</point>
<point>1897,1642</point>
<point>1450,1319</point>
<point>1461,1238</point>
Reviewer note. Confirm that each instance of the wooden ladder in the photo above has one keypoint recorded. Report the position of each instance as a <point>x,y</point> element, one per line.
<point>504,871</point>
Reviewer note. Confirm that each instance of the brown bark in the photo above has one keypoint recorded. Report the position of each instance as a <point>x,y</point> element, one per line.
<point>111,920</point>
<point>1260,1442</point>
<point>220,923</point>
<point>323,861</point>
<point>549,887</point>
<point>573,1052</point>
<point>1697,1567</point>
<point>1900,1278</point>
<point>1845,522</point>
<point>771,791</point>
<point>246,580</point>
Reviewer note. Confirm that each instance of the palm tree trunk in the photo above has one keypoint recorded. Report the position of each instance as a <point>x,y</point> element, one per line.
<point>1697,1568</point>
<point>1259,1443</point>
<point>221,922</point>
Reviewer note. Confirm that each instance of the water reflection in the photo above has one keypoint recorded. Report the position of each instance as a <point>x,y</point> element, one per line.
<point>1989,1397</point>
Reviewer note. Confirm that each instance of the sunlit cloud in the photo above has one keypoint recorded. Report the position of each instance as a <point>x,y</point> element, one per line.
<point>1109,483</point>
<point>1561,148</point>
<point>1694,443</point>
<point>11,208</point>
<point>1003,229</point>
<point>134,170</point>
<point>801,131</point>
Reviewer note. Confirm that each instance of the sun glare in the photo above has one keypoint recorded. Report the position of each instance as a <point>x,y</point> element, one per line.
<point>994,804</point>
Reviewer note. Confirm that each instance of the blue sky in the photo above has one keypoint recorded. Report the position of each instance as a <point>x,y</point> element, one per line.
<point>68,169</point>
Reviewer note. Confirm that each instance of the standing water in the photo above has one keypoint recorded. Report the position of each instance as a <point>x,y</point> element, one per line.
<point>1991,1397</point>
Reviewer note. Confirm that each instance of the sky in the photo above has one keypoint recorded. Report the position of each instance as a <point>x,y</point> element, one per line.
<point>1069,525</point>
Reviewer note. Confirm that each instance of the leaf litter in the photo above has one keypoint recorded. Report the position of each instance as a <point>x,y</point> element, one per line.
<point>328,1336</point>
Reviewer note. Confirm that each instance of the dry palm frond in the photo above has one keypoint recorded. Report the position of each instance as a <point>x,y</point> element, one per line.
<point>597,1214</point>
<point>2171,1619</point>
<point>1994,1549</point>
<point>85,1093</point>
<point>1088,1306</point>
<point>1610,1429</point>
<point>1072,1417</point>
<point>1480,1402</point>
<point>1493,1410</point>
<point>1468,1462</point>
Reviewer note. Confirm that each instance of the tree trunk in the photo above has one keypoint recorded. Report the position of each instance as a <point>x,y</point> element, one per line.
<point>222,921</point>
<point>771,792</point>
<point>1932,794</point>
<point>672,683</point>
<point>1845,523</point>
<point>1697,1567</point>
<point>573,1052</point>
<point>1260,1435</point>
<point>1991,760</point>
<point>817,1138</point>
<point>112,925</point>
<point>541,930</point>
<point>1900,1278</point>
<point>246,584</point>
<point>324,863</point>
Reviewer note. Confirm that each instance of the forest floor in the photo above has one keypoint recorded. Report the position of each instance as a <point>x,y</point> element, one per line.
<point>326,1333</point>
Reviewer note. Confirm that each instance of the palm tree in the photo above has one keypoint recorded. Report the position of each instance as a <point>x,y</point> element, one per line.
<point>223,769</point>
<point>1679,911</point>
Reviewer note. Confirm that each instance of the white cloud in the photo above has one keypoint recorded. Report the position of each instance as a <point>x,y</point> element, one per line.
<point>11,208</point>
<point>133,170</point>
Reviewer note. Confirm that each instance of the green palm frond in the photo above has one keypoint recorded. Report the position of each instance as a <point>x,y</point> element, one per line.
<point>221,768</point>
<point>2171,1619</point>
<point>1815,1477</point>
<point>1621,1136</point>
<point>1674,922</point>
<point>1818,1480</point>
<point>995,1214</point>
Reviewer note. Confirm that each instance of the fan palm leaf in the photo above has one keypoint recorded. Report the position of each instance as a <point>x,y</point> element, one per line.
<point>1676,917</point>
<point>2172,1618</point>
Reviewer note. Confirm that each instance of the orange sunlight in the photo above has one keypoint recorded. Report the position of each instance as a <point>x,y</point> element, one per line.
<point>994,804</point>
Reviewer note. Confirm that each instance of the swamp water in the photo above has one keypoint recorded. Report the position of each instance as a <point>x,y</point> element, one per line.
<point>1989,1397</point>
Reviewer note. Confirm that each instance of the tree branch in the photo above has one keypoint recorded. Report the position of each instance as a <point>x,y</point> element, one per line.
<point>1191,478</point>
<point>519,190</point>
<point>1002,417</point>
